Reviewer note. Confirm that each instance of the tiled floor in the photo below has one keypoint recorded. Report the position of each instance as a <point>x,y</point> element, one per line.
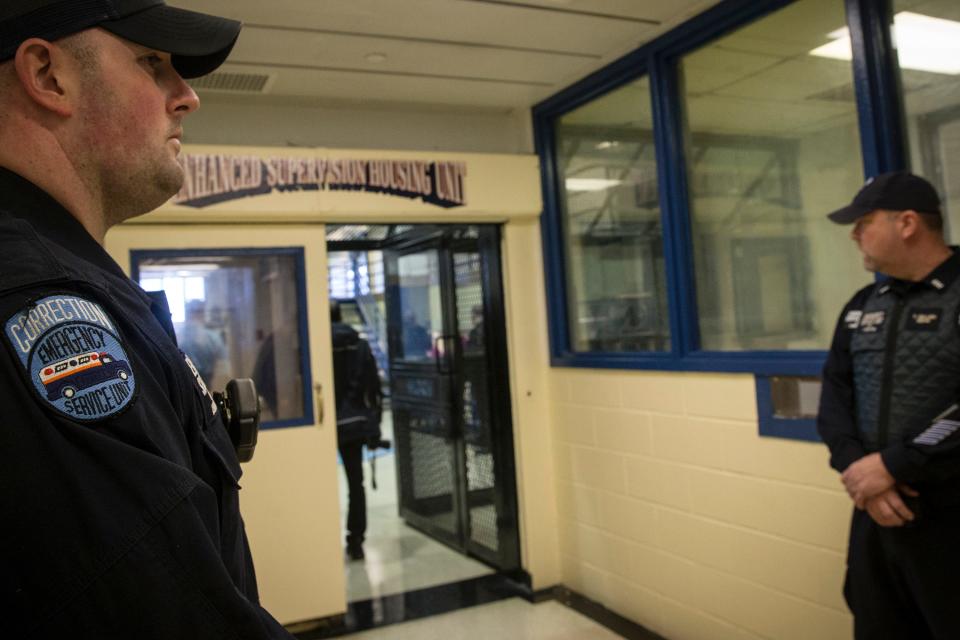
<point>515,619</point>
<point>399,558</point>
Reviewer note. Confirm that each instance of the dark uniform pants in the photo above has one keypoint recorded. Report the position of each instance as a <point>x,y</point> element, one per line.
<point>902,581</point>
<point>352,455</point>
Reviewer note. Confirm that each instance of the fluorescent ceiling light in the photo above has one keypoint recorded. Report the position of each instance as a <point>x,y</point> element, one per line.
<point>923,43</point>
<point>589,184</point>
<point>152,271</point>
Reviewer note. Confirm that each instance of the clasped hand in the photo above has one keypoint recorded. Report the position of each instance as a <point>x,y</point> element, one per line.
<point>871,487</point>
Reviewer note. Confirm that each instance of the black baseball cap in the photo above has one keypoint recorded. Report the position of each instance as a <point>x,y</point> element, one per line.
<point>895,191</point>
<point>198,43</point>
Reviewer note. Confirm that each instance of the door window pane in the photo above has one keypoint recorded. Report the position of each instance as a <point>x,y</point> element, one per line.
<point>613,241</point>
<point>238,314</point>
<point>927,36</point>
<point>420,305</point>
<point>772,146</point>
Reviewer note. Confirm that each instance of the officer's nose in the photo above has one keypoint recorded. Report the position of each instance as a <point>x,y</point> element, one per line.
<point>855,232</point>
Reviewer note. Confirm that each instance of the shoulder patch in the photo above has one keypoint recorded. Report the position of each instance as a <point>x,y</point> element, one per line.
<point>72,354</point>
<point>852,319</point>
<point>872,321</point>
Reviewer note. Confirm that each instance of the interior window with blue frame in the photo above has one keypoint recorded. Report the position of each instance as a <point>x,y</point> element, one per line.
<point>240,313</point>
<point>927,34</point>
<point>772,145</point>
<point>612,234</point>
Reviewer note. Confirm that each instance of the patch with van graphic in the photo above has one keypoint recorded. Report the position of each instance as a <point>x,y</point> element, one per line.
<point>76,363</point>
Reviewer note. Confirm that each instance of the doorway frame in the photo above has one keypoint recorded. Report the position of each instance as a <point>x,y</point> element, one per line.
<point>502,189</point>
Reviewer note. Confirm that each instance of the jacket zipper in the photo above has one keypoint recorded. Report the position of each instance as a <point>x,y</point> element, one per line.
<point>893,329</point>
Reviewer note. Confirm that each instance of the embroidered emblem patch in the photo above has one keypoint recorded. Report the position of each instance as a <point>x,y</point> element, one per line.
<point>70,349</point>
<point>924,319</point>
<point>872,321</point>
<point>852,319</point>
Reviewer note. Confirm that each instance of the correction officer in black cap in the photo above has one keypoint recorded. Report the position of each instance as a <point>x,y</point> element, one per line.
<point>886,412</point>
<point>118,483</point>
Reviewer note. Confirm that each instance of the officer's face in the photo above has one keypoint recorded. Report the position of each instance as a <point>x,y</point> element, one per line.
<point>132,118</point>
<point>877,235</point>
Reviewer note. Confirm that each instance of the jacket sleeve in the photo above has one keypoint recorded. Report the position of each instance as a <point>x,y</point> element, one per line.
<point>836,418</point>
<point>932,456</point>
<point>371,382</point>
<point>107,531</point>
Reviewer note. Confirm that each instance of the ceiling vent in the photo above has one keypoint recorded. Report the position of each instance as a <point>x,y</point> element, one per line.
<point>234,82</point>
<point>910,81</point>
<point>843,93</point>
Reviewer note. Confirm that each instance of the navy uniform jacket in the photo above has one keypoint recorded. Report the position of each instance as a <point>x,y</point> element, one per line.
<point>929,464</point>
<point>119,513</point>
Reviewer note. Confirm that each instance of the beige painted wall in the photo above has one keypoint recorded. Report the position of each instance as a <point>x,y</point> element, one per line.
<point>676,514</point>
<point>529,389</point>
<point>268,121</point>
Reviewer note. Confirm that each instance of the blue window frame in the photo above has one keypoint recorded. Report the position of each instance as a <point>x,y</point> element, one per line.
<point>254,314</point>
<point>879,111</point>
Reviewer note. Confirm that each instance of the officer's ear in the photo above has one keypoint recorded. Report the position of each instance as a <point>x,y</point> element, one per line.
<point>43,68</point>
<point>909,224</point>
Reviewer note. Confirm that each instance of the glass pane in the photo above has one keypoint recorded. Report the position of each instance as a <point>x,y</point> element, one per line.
<point>795,396</point>
<point>356,281</point>
<point>479,461</point>
<point>468,279</point>
<point>772,146</point>
<point>927,35</point>
<point>613,241</point>
<point>420,306</point>
<point>237,316</point>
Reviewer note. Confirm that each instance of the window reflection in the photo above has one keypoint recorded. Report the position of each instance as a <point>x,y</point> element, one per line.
<point>468,279</point>
<point>420,306</point>
<point>237,315</point>
<point>613,240</point>
<point>928,48</point>
<point>772,145</point>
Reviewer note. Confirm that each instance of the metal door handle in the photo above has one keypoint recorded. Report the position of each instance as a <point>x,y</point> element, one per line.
<point>447,353</point>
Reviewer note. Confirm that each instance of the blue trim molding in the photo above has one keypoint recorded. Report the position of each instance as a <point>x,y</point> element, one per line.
<point>139,255</point>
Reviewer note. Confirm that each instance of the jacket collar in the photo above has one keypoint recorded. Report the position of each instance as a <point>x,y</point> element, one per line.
<point>28,202</point>
<point>939,279</point>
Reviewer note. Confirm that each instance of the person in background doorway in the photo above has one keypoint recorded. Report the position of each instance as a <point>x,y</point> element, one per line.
<point>475,338</point>
<point>416,339</point>
<point>887,414</point>
<point>200,342</point>
<point>359,408</point>
<point>264,374</point>
<point>119,495</point>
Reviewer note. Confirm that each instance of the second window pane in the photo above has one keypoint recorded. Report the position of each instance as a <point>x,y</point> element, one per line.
<point>611,219</point>
<point>772,147</point>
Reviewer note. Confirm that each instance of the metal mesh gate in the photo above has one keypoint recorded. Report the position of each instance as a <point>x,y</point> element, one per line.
<point>481,479</point>
<point>450,398</point>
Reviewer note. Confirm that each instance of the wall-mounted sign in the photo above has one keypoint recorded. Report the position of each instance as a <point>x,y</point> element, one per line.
<point>218,178</point>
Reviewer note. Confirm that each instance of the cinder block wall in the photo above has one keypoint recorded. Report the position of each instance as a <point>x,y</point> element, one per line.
<point>676,514</point>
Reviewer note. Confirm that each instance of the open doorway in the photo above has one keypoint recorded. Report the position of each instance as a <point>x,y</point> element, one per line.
<point>428,300</point>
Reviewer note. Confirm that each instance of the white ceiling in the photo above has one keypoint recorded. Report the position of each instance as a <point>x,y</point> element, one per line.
<point>491,54</point>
